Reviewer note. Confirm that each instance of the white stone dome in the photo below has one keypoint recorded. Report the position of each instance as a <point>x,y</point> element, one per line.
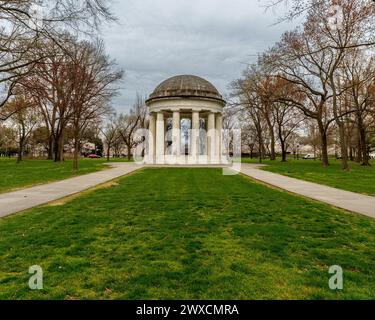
<point>186,86</point>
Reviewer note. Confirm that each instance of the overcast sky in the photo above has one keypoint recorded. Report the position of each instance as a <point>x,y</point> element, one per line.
<point>214,39</point>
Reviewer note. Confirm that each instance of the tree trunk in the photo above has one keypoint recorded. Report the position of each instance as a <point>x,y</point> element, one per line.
<point>343,146</point>
<point>20,150</point>
<point>61,148</point>
<point>324,143</point>
<point>283,150</point>
<point>260,138</point>
<point>50,148</point>
<point>351,153</point>
<point>108,151</point>
<point>56,149</point>
<point>340,124</point>
<point>365,161</point>
<point>358,157</point>
<point>76,154</point>
<point>273,153</point>
<point>261,148</point>
<point>129,153</point>
<point>260,141</point>
<point>272,136</point>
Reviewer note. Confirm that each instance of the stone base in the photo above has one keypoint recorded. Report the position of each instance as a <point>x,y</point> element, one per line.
<point>186,160</point>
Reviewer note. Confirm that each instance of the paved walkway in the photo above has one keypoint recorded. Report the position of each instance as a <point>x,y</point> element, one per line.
<point>16,201</point>
<point>351,201</point>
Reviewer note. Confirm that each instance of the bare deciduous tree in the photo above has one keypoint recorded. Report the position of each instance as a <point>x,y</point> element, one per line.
<point>24,118</point>
<point>128,125</point>
<point>92,77</point>
<point>110,133</point>
<point>25,24</point>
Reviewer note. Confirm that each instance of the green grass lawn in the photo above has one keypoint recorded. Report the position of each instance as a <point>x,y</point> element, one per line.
<point>358,179</point>
<point>15,175</point>
<point>187,234</point>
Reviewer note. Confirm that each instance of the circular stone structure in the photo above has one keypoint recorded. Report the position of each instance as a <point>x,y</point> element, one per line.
<point>185,122</point>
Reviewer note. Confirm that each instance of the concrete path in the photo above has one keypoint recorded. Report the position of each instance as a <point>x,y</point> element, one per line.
<point>16,201</point>
<point>347,200</point>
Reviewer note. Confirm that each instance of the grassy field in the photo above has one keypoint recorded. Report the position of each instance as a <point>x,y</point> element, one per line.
<point>358,179</point>
<point>15,175</point>
<point>187,234</point>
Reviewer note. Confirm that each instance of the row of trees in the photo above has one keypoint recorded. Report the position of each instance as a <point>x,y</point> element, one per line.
<point>27,131</point>
<point>54,87</point>
<point>68,91</point>
<point>121,131</point>
<point>318,79</point>
<point>26,24</point>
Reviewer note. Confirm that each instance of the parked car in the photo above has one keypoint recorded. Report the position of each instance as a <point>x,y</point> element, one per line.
<point>372,155</point>
<point>93,156</point>
<point>309,157</point>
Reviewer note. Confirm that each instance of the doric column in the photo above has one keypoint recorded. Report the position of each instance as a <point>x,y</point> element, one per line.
<point>176,134</point>
<point>152,138</point>
<point>160,137</point>
<point>195,135</point>
<point>219,128</point>
<point>211,136</point>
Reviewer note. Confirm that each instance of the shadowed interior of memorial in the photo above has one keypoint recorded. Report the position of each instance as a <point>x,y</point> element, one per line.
<point>186,122</point>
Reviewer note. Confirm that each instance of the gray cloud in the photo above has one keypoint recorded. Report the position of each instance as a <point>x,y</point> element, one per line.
<point>214,39</point>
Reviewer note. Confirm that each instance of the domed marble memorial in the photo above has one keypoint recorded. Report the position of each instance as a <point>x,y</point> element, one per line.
<point>185,122</point>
